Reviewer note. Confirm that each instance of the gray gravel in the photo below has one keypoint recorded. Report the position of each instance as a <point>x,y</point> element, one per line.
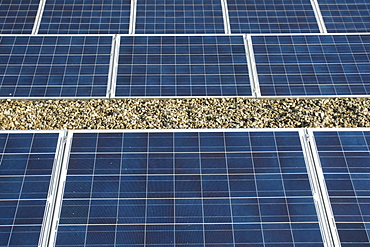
<point>184,113</point>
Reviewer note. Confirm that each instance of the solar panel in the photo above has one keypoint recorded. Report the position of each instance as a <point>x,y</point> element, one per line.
<point>26,170</point>
<point>171,66</point>
<point>345,157</point>
<point>179,17</point>
<point>85,17</point>
<point>272,16</point>
<point>17,16</point>
<point>345,16</point>
<point>54,66</point>
<point>198,188</point>
<point>313,65</point>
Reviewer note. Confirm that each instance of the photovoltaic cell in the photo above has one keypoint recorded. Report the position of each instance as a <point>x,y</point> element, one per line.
<point>345,161</point>
<point>17,16</point>
<point>85,17</point>
<point>345,16</point>
<point>179,17</point>
<point>182,66</point>
<point>26,165</point>
<point>272,16</point>
<point>187,188</point>
<point>304,65</point>
<point>54,66</point>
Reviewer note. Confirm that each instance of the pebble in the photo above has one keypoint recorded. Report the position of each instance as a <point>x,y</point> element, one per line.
<point>184,113</point>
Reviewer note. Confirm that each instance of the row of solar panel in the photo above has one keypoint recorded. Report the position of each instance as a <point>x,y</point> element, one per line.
<point>178,16</point>
<point>185,187</point>
<point>184,66</point>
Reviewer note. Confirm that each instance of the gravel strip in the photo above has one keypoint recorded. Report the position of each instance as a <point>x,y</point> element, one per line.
<point>184,113</point>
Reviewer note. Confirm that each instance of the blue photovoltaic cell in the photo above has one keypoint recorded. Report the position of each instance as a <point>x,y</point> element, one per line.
<point>345,160</point>
<point>187,188</point>
<point>26,164</point>
<point>345,16</point>
<point>17,16</point>
<point>272,16</point>
<point>303,65</point>
<point>85,17</point>
<point>182,66</point>
<point>179,16</point>
<point>54,66</point>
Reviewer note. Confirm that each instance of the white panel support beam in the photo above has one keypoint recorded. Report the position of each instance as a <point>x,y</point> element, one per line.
<point>321,195</point>
<point>111,92</point>
<point>38,17</point>
<point>132,17</point>
<point>53,190</point>
<point>318,15</point>
<point>60,189</point>
<point>252,69</point>
<point>225,13</point>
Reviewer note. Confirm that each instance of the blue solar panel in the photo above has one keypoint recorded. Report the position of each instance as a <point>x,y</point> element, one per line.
<point>187,188</point>
<point>345,161</point>
<point>302,65</point>
<point>345,16</point>
<point>182,66</point>
<point>272,16</point>
<point>26,165</point>
<point>85,17</point>
<point>17,16</point>
<point>179,16</point>
<point>54,66</point>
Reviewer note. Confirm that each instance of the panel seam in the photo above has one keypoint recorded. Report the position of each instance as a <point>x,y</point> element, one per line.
<point>225,14</point>
<point>65,153</point>
<point>252,69</point>
<point>112,79</point>
<point>319,17</point>
<point>132,17</point>
<point>321,196</point>
<point>40,12</point>
<point>53,189</point>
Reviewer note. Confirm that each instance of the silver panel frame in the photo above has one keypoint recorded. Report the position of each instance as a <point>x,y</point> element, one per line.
<point>225,13</point>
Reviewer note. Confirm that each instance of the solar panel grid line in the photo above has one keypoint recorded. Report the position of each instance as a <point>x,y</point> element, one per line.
<point>322,187</point>
<point>146,196</point>
<point>225,13</point>
<point>38,17</point>
<point>253,76</point>
<point>229,190</point>
<point>91,191</point>
<point>318,15</point>
<point>132,17</point>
